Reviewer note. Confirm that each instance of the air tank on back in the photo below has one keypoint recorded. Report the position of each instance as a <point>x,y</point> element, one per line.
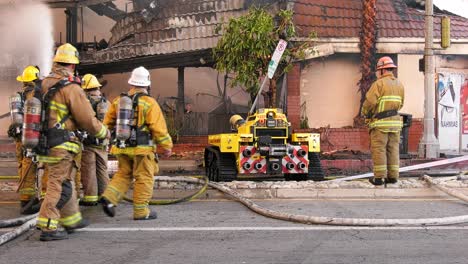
<point>16,109</point>
<point>101,109</point>
<point>32,123</point>
<point>124,119</point>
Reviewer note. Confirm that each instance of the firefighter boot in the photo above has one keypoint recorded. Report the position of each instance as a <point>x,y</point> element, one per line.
<point>391,180</point>
<point>376,181</point>
<point>53,235</point>
<point>31,207</point>
<point>151,215</point>
<point>108,207</point>
<point>82,224</point>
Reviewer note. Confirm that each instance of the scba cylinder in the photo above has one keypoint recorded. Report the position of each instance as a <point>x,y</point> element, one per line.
<point>123,123</point>
<point>32,123</point>
<point>16,109</point>
<point>101,109</point>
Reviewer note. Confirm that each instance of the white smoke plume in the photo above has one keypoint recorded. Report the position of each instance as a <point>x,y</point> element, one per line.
<point>26,39</point>
<point>27,35</point>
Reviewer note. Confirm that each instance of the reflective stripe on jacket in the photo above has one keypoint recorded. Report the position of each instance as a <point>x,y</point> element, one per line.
<point>385,94</point>
<point>150,119</point>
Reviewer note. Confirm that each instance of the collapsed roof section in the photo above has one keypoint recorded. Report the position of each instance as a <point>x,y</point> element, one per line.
<point>167,33</point>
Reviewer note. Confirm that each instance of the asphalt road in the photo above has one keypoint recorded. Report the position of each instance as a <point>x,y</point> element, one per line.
<point>227,232</point>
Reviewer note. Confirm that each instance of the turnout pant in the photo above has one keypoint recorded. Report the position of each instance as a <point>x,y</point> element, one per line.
<point>60,204</point>
<point>94,177</point>
<point>27,170</point>
<point>385,150</point>
<point>141,168</point>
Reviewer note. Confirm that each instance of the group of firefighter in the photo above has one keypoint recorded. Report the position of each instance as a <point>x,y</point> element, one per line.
<point>62,127</point>
<point>63,123</point>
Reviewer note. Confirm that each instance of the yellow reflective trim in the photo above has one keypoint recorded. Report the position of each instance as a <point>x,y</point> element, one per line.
<point>140,206</point>
<point>27,191</point>
<point>162,139</point>
<point>45,223</point>
<point>115,191</point>
<point>48,159</point>
<point>379,168</point>
<point>132,150</point>
<point>70,146</point>
<point>386,123</point>
<point>71,220</point>
<point>102,133</point>
<point>144,104</point>
<point>388,98</point>
<point>90,198</point>
<point>393,167</point>
<point>59,107</point>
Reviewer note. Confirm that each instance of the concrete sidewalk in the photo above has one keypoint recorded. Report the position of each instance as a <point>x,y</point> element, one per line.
<point>406,188</point>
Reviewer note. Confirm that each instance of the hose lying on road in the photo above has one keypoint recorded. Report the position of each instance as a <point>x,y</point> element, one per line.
<point>446,190</point>
<point>305,219</point>
<point>180,200</point>
<point>17,231</point>
<point>16,221</point>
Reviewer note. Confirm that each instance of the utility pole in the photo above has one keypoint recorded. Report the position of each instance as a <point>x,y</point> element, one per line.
<point>429,145</point>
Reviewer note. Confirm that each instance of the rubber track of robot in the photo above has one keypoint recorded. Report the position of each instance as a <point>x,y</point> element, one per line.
<point>227,165</point>
<point>367,45</point>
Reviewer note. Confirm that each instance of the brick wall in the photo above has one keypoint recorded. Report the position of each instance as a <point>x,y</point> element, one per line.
<point>415,134</point>
<point>358,138</point>
<point>294,96</point>
<point>200,140</point>
<point>332,139</point>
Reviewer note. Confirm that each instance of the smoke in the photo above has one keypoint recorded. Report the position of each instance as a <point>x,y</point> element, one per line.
<point>27,37</point>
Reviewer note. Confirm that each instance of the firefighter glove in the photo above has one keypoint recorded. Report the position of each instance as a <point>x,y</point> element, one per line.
<point>14,131</point>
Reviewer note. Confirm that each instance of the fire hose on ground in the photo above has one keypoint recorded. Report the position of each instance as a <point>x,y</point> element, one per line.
<point>30,221</point>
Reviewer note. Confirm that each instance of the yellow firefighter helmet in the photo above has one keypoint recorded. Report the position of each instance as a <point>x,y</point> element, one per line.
<point>30,73</point>
<point>67,54</point>
<point>90,81</point>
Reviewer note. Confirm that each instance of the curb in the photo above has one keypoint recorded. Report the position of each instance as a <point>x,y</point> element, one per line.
<point>312,194</point>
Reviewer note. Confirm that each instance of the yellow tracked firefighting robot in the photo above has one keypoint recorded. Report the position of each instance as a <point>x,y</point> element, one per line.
<point>263,144</point>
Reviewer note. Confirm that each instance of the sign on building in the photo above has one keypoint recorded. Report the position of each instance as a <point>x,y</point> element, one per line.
<point>449,116</point>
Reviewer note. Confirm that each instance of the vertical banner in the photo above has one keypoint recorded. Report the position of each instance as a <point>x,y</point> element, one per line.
<point>464,113</point>
<point>449,113</point>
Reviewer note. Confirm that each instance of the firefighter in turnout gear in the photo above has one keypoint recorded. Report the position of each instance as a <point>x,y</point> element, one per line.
<point>66,109</point>
<point>383,100</point>
<point>139,126</point>
<point>94,177</point>
<point>27,169</point>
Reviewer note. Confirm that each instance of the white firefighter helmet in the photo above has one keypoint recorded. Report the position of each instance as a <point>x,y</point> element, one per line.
<point>140,77</point>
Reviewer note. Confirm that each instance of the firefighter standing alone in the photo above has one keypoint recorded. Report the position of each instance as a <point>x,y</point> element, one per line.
<point>66,109</point>
<point>139,126</point>
<point>383,100</point>
<point>94,177</point>
<point>26,167</point>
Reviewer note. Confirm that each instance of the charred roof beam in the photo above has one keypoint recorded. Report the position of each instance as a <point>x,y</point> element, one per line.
<point>73,3</point>
<point>109,10</point>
